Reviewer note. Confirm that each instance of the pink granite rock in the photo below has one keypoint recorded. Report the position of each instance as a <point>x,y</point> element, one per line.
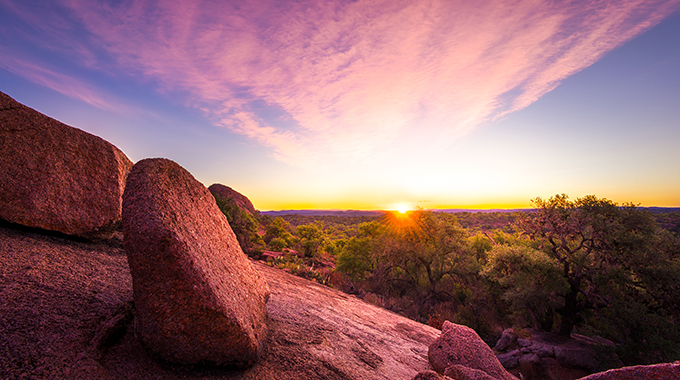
<point>57,177</point>
<point>229,194</point>
<point>461,345</point>
<point>197,296</point>
<point>665,371</point>
<point>430,375</point>
<point>460,372</point>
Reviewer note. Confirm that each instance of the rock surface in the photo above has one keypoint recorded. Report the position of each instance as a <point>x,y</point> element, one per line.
<point>460,345</point>
<point>547,355</point>
<point>59,296</point>
<point>57,177</point>
<point>227,193</point>
<point>665,371</point>
<point>57,299</point>
<point>430,375</point>
<point>198,298</point>
<point>460,372</point>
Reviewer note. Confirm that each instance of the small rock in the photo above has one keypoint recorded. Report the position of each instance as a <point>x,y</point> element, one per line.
<point>57,177</point>
<point>197,296</point>
<point>461,345</point>
<point>507,340</point>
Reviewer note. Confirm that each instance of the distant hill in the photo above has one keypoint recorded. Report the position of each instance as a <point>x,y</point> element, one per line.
<point>373,213</point>
<point>351,213</point>
<point>662,210</point>
<point>485,211</point>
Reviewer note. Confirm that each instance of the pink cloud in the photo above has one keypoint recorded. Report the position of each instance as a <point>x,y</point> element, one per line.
<point>359,76</point>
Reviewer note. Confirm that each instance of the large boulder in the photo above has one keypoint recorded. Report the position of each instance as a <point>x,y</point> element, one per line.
<point>460,345</point>
<point>231,195</point>
<point>57,177</point>
<point>666,371</point>
<point>197,296</point>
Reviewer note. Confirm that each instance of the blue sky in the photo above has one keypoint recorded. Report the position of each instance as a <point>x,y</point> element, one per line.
<point>366,105</point>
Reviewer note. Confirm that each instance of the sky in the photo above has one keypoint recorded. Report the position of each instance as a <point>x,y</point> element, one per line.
<point>368,104</point>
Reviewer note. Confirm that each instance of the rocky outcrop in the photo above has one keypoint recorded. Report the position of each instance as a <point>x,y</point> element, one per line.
<point>57,177</point>
<point>64,315</point>
<point>231,195</point>
<point>198,298</point>
<point>60,319</point>
<point>461,346</point>
<point>665,371</point>
<point>546,355</point>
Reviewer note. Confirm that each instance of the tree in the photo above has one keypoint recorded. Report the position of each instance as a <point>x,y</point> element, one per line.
<point>531,281</point>
<point>355,258</point>
<point>604,252</point>
<point>277,234</point>
<point>311,239</point>
<point>423,256</point>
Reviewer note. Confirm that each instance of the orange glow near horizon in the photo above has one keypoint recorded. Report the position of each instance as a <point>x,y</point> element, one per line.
<point>368,105</point>
<point>402,208</point>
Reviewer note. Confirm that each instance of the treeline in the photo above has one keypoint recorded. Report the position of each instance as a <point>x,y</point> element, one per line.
<point>588,266</point>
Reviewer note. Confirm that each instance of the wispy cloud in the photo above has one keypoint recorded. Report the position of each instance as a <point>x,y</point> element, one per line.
<point>356,77</point>
<point>60,82</point>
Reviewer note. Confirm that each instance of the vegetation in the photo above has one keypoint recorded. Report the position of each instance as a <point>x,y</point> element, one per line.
<point>245,225</point>
<point>588,266</point>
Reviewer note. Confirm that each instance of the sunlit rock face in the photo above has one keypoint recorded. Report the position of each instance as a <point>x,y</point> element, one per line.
<point>197,296</point>
<point>57,177</point>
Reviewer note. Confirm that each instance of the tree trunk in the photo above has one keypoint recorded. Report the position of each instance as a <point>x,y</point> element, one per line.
<point>570,311</point>
<point>567,324</point>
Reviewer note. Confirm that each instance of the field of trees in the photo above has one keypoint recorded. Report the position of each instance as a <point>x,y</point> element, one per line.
<point>588,266</point>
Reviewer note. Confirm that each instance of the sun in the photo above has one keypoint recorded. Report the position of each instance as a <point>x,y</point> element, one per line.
<point>402,208</point>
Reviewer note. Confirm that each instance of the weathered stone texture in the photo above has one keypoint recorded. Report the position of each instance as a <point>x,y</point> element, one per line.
<point>197,296</point>
<point>461,345</point>
<point>57,177</point>
<point>665,371</point>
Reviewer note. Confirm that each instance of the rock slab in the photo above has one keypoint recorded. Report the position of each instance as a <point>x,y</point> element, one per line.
<point>197,296</point>
<point>57,177</point>
<point>460,345</point>
<point>666,371</point>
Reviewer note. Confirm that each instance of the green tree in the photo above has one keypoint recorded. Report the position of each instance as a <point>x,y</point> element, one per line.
<point>312,239</point>
<point>356,256</point>
<point>278,234</point>
<point>425,256</point>
<point>531,281</point>
<point>606,253</point>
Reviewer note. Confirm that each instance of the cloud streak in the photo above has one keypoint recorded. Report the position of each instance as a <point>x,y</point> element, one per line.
<point>350,80</point>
